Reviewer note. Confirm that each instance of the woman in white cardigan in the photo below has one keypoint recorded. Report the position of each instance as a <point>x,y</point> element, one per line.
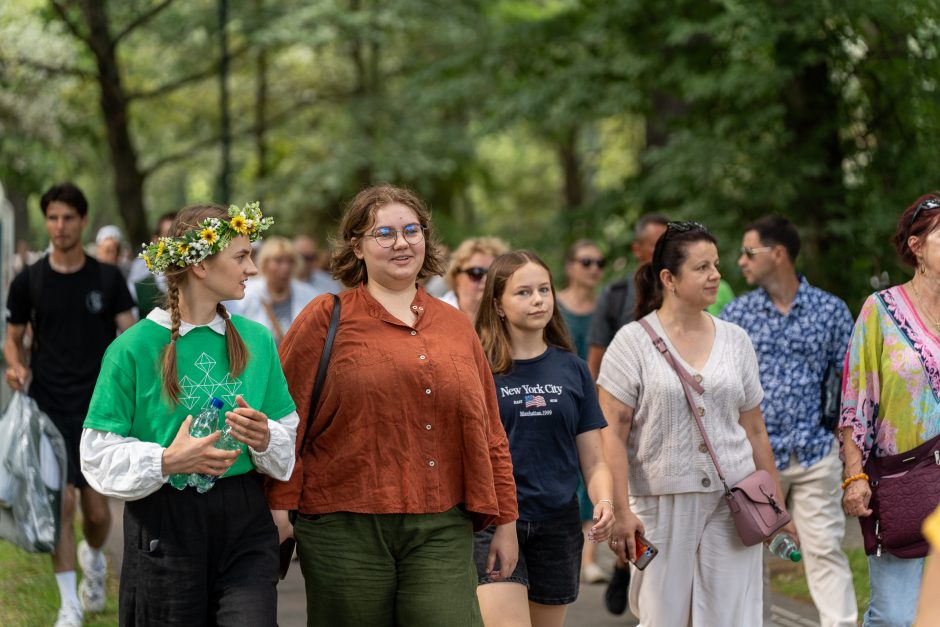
<point>275,298</point>
<point>704,575</point>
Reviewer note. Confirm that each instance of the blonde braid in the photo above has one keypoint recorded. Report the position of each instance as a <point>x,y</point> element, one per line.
<point>170,380</point>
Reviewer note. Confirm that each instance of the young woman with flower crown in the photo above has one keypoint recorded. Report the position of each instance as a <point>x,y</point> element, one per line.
<point>549,409</point>
<point>194,558</point>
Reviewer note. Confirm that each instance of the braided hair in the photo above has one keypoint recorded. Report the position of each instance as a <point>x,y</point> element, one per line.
<point>188,219</point>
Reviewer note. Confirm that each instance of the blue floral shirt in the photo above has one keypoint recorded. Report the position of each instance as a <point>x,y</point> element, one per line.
<point>793,352</point>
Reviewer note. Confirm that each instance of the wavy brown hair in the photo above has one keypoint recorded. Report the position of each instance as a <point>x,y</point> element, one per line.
<point>492,328</point>
<point>186,220</point>
<point>359,217</point>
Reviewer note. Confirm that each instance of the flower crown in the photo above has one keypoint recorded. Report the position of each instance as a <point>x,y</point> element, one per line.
<point>212,235</point>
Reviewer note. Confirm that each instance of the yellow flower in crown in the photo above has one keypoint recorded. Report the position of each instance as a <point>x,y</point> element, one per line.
<point>239,225</point>
<point>208,238</point>
<point>209,235</point>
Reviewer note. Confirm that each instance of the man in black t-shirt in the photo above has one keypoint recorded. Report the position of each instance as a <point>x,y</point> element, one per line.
<point>75,307</point>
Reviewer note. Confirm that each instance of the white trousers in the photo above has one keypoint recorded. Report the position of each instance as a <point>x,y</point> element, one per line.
<point>703,576</point>
<point>814,500</point>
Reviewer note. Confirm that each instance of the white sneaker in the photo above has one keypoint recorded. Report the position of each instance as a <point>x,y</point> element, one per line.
<point>593,574</point>
<point>69,616</point>
<point>91,589</point>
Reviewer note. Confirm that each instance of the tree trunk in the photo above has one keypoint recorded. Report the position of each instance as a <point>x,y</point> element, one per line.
<point>128,178</point>
<point>225,133</point>
<point>570,162</point>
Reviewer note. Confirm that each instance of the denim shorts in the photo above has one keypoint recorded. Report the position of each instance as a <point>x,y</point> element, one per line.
<point>549,557</point>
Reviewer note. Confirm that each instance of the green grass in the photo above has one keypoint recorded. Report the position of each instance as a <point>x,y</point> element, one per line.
<point>29,596</point>
<point>788,579</point>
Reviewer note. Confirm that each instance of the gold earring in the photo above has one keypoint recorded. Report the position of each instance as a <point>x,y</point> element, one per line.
<point>923,268</point>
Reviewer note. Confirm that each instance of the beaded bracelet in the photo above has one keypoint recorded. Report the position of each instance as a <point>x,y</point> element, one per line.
<point>849,480</point>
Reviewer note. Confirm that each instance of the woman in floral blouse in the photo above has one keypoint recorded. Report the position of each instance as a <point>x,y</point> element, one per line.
<point>891,396</point>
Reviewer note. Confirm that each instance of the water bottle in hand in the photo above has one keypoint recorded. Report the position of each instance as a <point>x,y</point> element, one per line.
<point>205,424</point>
<point>784,547</point>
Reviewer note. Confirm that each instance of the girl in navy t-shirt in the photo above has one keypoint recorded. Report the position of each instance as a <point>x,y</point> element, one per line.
<point>548,406</point>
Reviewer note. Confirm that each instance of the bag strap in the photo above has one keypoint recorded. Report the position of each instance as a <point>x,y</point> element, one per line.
<point>687,381</point>
<point>321,370</point>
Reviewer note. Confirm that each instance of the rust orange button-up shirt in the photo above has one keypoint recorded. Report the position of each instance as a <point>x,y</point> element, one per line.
<point>407,420</point>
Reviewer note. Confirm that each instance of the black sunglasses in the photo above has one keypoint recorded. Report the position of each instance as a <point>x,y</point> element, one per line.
<point>587,262</point>
<point>930,203</point>
<point>474,273</point>
<point>687,225</point>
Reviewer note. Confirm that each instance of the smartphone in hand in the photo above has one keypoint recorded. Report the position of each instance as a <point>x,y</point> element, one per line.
<point>645,552</point>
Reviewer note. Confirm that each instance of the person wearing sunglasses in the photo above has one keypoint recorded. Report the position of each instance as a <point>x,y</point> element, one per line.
<point>309,271</point>
<point>800,333</point>
<point>890,405</point>
<point>466,275</point>
<point>584,269</point>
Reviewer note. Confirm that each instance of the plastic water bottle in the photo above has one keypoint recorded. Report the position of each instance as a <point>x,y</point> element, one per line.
<point>784,547</point>
<point>205,424</point>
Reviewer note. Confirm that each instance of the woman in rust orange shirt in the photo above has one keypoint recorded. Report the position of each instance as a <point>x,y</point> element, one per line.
<point>407,455</point>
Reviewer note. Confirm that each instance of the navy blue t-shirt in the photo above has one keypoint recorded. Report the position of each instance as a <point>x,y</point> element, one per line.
<point>545,403</point>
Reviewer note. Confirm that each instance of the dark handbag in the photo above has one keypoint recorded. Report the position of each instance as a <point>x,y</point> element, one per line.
<point>287,546</point>
<point>831,398</point>
<point>753,501</point>
<point>905,489</point>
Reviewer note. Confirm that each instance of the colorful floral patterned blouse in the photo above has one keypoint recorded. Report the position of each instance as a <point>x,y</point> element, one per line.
<point>891,385</point>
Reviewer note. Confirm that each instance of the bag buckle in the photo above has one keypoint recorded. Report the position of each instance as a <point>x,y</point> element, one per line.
<point>771,501</point>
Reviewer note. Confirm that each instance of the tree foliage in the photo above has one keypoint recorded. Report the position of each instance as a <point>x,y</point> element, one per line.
<point>537,120</point>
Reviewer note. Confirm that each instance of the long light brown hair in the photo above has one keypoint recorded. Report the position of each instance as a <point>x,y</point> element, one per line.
<point>186,220</point>
<point>493,329</point>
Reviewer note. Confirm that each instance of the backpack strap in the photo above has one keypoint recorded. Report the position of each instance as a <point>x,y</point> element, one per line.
<point>34,274</point>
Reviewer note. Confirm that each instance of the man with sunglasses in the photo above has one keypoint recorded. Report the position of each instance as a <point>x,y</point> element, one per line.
<point>800,333</point>
<point>309,270</point>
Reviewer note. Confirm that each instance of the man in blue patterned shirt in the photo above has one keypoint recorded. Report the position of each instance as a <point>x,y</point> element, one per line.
<point>798,332</point>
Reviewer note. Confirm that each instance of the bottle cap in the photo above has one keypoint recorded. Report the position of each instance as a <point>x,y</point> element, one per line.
<point>217,403</point>
<point>795,556</point>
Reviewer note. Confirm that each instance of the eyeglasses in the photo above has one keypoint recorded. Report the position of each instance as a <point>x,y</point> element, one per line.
<point>930,203</point>
<point>750,252</point>
<point>310,258</point>
<point>386,236</point>
<point>587,262</point>
<point>474,273</point>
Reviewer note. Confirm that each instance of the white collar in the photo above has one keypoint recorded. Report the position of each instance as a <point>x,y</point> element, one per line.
<point>162,317</point>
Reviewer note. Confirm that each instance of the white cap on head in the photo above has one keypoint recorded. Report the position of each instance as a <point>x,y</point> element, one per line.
<point>108,232</point>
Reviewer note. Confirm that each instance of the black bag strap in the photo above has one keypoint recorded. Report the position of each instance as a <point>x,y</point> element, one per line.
<point>321,371</point>
<point>34,273</point>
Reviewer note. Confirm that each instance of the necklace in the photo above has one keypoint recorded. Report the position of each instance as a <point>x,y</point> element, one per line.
<point>933,320</point>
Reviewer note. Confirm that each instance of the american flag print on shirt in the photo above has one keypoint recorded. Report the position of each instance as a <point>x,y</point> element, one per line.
<point>534,401</point>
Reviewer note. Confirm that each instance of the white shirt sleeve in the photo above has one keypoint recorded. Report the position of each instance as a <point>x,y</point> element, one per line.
<point>277,460</point>
<point>123,467</point>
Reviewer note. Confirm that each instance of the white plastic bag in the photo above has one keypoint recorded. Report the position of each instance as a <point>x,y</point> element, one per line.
<point>32,476</point>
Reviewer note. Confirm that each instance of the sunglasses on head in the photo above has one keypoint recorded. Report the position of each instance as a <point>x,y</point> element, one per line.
<point>474,273</point>
<point>587,262</point>
<point>930,203</point>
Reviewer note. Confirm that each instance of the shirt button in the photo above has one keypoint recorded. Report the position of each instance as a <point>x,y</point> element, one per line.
<point>431,463</point>
<point>415,307</point>
<point>705,481</point>
<point>414,332</point>
<point>421,357</point>
<point>702,448</point>
<point>427,391</point>
<point>420,308</point>
<point>701,411</point>
<point>428,427</point>
<point>698,378</point>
